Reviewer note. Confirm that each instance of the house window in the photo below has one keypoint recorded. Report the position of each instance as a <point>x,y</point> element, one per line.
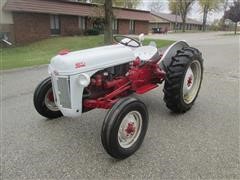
<point>115,25</point>
<point>5,36</point>
<point>132,26</point>
<point>82,23</point>
<point>177,26</point>
<point>55,24</point>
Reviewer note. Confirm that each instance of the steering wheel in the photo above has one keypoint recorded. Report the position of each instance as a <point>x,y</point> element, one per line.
<point>125,40</point>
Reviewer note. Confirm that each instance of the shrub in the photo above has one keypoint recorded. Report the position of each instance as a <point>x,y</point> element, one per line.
<point>93,32</point>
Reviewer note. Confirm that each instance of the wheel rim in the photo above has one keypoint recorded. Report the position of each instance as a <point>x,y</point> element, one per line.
<point>130,129</point>
<point>192,82</point>
<point>49,101</point>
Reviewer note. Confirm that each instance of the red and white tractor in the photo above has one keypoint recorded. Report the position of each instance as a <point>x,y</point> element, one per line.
<point>105,77</point>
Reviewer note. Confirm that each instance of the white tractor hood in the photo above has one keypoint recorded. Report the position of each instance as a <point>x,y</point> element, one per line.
<point>91,59</point>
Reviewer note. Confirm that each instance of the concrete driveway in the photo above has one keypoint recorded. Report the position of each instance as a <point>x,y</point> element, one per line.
<point>200,144</point>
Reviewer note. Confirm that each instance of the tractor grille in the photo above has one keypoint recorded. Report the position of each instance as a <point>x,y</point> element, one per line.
<point>63,84</point>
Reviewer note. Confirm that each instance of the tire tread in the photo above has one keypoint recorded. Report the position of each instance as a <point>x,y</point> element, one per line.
<point>175,73</point>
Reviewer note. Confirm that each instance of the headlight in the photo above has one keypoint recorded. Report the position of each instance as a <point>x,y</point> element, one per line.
<point>84,79</point>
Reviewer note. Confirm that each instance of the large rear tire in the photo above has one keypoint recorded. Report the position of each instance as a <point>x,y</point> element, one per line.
<point>124,128</point>
<point>44,101</point>
<point>183,80</point>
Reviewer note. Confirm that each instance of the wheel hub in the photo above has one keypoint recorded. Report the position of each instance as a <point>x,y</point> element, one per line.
<point>130,129</point>
<point>49,101</point>
<point>189,80</point>
<point>192,82</point>
<point>50,96</point>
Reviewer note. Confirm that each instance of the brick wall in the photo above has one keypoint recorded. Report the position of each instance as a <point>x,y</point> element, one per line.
<point>141,27</point>
<point>29,27</point>
<point>69,26</point>
<point>123,26</point>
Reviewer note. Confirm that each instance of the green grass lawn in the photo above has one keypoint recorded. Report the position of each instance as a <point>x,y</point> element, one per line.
<point>41,52</point>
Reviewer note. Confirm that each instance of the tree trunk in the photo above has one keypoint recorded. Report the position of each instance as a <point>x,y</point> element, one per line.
<point>184,22</point>
<point>126,4</point>
<point>222,22</point>
<point>108,32</point>
<point>175,22</point>
<point>235,30</point>
<point>205,14</point>
<point>183,26</point>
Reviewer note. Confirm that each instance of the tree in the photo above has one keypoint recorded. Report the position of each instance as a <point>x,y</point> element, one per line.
<point>95,1</point>
<point>108,32</point>
<point>156,6</point>
<point>225,6</point>
<point>127,3</point>
<point>208,6</point>
<point>215,25</point>
<point>118,3</point>
<point>181,7</point>
<point>174,7</point>
<point>175,10</point>
<point>108,16</point>
<point>234,14</point>
<point>222,20</point>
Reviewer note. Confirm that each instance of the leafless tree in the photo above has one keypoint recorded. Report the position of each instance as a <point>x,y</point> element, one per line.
<point>156,6</point>
<point>181,7</point>
<point>233,14</point>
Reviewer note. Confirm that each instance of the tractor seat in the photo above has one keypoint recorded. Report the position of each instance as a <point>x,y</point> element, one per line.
<point>147,53</point>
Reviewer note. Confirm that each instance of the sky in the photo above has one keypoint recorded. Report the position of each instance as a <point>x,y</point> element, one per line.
<point>195,12</point>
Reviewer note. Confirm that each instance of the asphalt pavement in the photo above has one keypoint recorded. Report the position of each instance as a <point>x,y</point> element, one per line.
<point>200,144</point>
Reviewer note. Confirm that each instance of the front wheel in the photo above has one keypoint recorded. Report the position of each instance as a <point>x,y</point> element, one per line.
<point>183,80</point>
<point>43,100</point>
<point>124,128</point>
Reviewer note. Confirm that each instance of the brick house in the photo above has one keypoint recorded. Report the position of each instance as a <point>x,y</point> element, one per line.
<point>172,22</point>
<point>32,20</point>
<point>6,22</point>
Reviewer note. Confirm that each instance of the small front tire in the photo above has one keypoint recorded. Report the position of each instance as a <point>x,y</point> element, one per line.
<point>44,101</point>
<point>124,128</point>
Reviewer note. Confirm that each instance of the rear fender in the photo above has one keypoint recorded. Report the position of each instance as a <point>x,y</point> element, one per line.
<point>170,52</point>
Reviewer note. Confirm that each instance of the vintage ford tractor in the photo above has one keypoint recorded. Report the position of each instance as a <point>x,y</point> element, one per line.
<point>105,77</point>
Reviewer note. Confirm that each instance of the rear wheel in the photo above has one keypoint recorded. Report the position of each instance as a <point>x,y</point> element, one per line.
<point>124,128</point>
<point>183,80</point>
<point>44,100</point>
